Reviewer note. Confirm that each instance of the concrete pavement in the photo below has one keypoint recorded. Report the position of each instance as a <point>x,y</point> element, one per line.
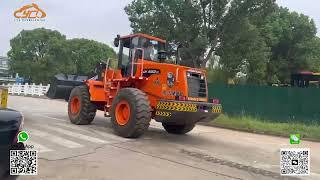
<point>69,151</point>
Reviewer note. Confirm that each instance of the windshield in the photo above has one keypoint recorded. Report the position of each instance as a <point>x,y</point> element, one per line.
<point>151,49</point>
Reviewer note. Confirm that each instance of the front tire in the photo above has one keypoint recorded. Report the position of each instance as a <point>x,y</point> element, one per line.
<point>178,129</point>
<point>130,113</point>
<point>80,109</point>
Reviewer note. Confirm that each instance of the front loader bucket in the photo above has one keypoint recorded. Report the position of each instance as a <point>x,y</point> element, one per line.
<point>62,84</point>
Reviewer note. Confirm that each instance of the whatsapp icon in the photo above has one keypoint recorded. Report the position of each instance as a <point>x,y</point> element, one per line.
<point>23,136</point>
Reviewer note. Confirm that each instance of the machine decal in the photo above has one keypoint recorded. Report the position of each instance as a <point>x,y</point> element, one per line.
<point>157,82</point>
<point>175,106</point>
<point>163,113</point>
<point>149,72</point>
<point>217,109</point>
<point>172,93</point>
<point>170,79</point>
<point>196,99</point>
<point>164,87</point>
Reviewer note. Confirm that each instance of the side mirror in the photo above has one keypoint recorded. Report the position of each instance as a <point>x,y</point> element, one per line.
<point>116,41</point>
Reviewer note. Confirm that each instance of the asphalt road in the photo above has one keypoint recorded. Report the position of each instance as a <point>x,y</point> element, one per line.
<point>68,151</point>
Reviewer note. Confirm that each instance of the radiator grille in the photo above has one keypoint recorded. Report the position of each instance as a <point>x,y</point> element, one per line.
<point>196,85</point>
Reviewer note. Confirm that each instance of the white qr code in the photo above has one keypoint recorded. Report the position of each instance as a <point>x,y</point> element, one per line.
<point>23,162</point>
<point>295,162</point>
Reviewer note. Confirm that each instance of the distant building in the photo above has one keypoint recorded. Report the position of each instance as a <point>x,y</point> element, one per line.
<point>5,75</point>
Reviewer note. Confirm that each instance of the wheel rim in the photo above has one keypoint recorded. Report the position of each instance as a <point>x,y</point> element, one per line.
<point>75,105</point>
<point>122,112</point>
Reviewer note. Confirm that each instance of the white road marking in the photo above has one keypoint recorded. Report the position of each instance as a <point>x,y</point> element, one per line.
<point>76,135</point>
<point>56,139</point>
<point>38,146</point>
<point>50,117</point>
<point>111,136</point>
<point>94,131</point>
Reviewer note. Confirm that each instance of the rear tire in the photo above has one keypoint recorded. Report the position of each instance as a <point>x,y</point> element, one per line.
<point>130,113</point>
<point>178,129</point>
<point>80,109</point>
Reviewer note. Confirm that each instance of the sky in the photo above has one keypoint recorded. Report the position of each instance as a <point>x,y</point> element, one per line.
<point>99,20</point>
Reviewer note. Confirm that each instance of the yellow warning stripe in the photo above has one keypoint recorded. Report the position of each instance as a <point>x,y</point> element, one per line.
<point>216,109</point>
<point>174,106</point>
<point>184,107</point>
<point>162,113</point>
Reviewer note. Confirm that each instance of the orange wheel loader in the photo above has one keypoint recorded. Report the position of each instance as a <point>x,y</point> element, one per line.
<point>145,86</point>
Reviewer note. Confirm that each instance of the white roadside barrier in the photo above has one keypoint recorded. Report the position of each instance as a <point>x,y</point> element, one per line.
<point>27,89</point>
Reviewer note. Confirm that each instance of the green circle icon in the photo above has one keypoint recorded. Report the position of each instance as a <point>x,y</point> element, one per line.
<point>23,136</point>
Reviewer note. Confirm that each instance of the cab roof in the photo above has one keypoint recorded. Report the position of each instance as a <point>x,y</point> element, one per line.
<point>143,35</point>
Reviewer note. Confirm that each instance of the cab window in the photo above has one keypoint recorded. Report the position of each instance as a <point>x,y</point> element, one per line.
<point>151,49</point>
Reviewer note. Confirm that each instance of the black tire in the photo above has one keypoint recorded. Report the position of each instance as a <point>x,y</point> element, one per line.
<point>140,113</point>
<point>87,110</point>
<point>178,129</point>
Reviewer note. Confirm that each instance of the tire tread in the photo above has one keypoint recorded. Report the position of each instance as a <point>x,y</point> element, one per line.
<point>88,109</point>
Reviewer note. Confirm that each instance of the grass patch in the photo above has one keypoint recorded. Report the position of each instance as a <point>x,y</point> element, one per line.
<point>251,124</point>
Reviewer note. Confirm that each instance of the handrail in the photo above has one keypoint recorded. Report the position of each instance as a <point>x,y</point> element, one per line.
<point>177,75</point>
<point>133,58</point>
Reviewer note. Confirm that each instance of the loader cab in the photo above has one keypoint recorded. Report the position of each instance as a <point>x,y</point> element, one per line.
<point>138,47</point>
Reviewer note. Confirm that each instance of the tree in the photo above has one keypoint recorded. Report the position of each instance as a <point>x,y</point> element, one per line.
<point>255,37</point>
<point>85,54</point>
<point>293,42</point>
<point>244,50</point>
<point>41,53</point>
<point>199,23</point>
<point>312,57</point>
<point>196,23</point>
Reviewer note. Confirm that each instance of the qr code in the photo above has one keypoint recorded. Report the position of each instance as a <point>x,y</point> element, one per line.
<point>23,162</point>
<point>295,162</point>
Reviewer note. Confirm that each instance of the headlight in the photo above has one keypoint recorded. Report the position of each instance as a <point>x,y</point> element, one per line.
<point>188,74</point>
<point>202,77</point>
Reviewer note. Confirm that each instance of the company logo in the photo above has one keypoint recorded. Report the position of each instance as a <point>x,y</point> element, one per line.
<point>149,72</point>
<point>31,12</point>
<point>157,82</point>
<point>23,136</point>
<point>170,79</point>
<point>172,93</point>
<point>294,138</point>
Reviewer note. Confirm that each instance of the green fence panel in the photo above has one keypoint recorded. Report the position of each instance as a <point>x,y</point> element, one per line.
<point>281,104</point>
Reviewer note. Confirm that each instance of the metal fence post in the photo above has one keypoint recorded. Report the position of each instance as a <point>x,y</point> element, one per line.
<point>4,97</point>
